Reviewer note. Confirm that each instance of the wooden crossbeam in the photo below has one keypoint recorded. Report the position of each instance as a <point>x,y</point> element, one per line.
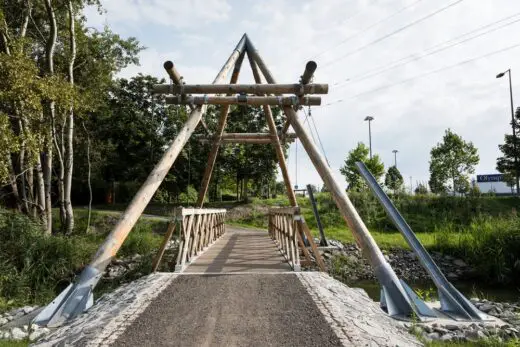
<point>253,138</point>
<point>258,89</point>
<point>244,100</point>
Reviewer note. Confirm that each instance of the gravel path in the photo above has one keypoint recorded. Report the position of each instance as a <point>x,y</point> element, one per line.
<point>231,310</point>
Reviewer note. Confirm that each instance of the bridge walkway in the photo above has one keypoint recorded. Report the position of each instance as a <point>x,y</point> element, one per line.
<point>240,250</point>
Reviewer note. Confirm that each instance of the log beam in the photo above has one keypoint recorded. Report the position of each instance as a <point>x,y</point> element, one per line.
<point>248,140</point>
<point>310,67</point>
<point>257,89</point>
<point>173,73</point>
<point>240,136</point>
<point>244,100</point>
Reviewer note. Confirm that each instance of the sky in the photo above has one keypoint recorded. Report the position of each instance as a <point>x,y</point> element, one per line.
<point>418,67</point>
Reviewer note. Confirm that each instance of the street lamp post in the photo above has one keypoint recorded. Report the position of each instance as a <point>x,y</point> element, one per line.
<point>395,157</point>
<point>513,123</point>
<point>369,119</point>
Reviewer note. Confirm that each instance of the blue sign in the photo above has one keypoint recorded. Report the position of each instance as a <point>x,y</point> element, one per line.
<point>490,178</point>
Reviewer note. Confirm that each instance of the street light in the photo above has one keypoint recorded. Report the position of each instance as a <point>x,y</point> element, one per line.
<point>395,157</point>
<point>369,119</point>
<point>500,75</point>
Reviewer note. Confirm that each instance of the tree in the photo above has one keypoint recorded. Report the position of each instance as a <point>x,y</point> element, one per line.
<point>451,162</point>
<point>421,189</point>
<point>53,70</point>
<point>394,179</point>
<point>506,163</point>
<point>350,171</point>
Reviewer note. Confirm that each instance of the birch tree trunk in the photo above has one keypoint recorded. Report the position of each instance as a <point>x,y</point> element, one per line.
<point>69,150</point>
<point>88,179</point>
<point>40,188</point>
<point>12,182</point>
<point>51,107</point>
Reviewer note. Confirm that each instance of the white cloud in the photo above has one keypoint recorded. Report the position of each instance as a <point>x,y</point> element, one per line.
<point>410,117</point>
<point>178,14</point>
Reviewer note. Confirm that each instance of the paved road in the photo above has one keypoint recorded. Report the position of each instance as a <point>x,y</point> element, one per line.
<point>231,310</point>
<point>241,250</point>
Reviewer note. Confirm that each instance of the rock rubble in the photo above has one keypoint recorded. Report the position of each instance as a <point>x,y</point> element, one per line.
<point>348,263</point>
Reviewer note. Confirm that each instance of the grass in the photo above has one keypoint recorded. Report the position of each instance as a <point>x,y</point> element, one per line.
<point>13,343</point>
<point>34,267</point>
<point>491,342</point>
<point>484,231</point>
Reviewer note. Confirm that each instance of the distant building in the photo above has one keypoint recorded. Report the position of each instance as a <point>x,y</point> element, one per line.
<point>492,183</point>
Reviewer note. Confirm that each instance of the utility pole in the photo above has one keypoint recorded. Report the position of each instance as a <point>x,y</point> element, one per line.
<point>411,188</point>
<point>513,123</point>
<point>395,157</point>
<point>369,119</point>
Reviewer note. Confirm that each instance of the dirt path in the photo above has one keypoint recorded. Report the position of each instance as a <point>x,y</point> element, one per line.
<point>231,310</point>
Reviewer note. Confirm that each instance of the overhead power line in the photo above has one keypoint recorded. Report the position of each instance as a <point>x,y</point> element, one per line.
<point>426,74</point>
<point>437,48</point>
<point>363,30</point>
<point>309,116</point>
<point>384,37</point>
<point>357,13</point>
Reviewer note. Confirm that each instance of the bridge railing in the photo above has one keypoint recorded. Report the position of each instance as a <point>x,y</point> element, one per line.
<point>198,229</point>
<point>288,229</point>
<point>283,229</point>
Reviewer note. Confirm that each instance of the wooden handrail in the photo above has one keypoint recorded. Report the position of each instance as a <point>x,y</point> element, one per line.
<point>287,228</point>
<point>198,229</point>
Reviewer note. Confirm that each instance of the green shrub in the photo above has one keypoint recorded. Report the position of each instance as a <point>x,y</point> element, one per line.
<point>34,267</point>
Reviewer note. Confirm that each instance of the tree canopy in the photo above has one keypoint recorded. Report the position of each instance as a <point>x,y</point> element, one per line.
<point>394,179</point>
<point>350,171</point>
<point>452,160</point>
<point>506,163</point>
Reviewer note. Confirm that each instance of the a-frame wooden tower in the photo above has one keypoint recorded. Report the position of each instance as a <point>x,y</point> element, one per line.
<point>78,296</point>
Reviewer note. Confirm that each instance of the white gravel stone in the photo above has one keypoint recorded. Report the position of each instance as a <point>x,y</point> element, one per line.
<point>28,309</point>
<point>486,308</point>
<point>110,315</point>
<point>3,321</point>
<point>355,318</point>
<point>35,335</point>
<point>18,334</point>
<point>451,327</point>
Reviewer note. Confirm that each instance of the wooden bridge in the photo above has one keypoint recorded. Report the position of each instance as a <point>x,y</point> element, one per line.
<point>236,287</point>
<point>241,287</point>
<point>205,247</point>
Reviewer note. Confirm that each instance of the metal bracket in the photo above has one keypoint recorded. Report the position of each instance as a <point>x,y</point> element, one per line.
<point>75,299</point>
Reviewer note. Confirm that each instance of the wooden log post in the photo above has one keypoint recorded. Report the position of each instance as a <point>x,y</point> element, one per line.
<point>251,54</point>
<point>244,100</point>
<point>257,89</point>
<point>364,239</point>
<point>310,68</point>
<point>148,189</point>
<point>212,157</point>
<point>275,139</point>
<point>176,78</point>
<point>167,237</point>
<point>173,73</point>
<point>77,298</point>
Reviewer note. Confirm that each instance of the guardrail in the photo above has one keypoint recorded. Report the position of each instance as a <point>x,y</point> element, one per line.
<point>198,229</point>
<point>288,229</point>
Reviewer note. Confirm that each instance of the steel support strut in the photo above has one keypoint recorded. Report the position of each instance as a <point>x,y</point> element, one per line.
<point>452,301</point>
